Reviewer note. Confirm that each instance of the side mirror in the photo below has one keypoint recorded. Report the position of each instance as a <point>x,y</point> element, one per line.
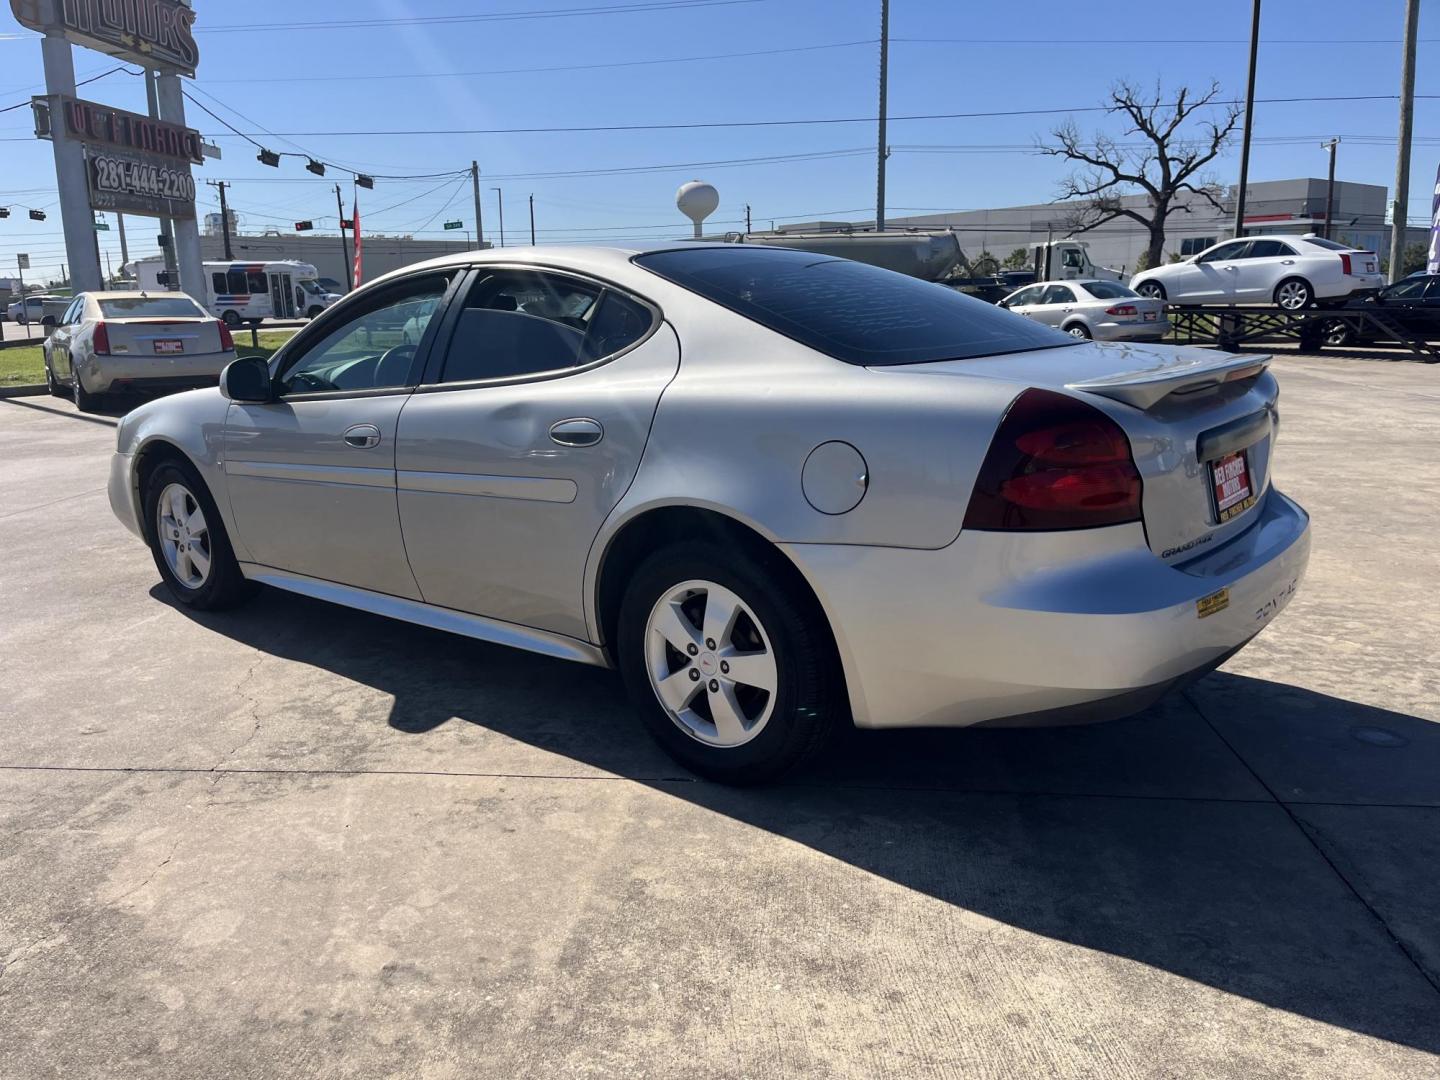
<point>246,379</point>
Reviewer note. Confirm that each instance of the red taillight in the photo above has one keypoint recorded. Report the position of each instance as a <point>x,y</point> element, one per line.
<point>100,340</point>
<point>226,341</point>
<point>1122,309</point>
<point>1344,263</point>
<point>1055,463</point>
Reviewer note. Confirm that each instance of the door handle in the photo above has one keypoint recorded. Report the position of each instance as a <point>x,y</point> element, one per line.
<point>577,431</point>
<point>362,436</point>
<point>1287,262</point>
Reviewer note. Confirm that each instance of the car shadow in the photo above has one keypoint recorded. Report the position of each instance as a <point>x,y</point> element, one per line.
<point>1149,840</point>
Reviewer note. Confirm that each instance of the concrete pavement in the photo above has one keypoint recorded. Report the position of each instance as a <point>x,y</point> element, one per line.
<point>294,840</point>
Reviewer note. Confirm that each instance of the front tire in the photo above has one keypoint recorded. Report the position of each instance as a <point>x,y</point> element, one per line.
<point>188,540</point>
<point>1294,294</point>
<point>1151,290</point>
<point>314,312</point>
<point>730,671</point>
<point>53,388</point>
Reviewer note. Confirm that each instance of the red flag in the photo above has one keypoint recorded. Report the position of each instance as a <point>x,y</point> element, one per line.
<point>355,231</point>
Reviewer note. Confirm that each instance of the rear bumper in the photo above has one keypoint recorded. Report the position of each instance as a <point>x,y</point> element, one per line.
<point>1131,331</point>
<point>116,374</point>
<point>1045,628</point>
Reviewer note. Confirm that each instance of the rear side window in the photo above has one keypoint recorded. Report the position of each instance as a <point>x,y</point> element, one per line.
<point>529,322</point>
<point>217,282</point>
<point>1058,294</point>
<point>151,307</point>
<point>1267,249</point>
<point>853,312</point>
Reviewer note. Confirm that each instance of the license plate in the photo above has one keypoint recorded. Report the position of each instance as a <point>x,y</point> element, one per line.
<point>1149,316</point>
<point>1230,482</point>
<point>169,345</point>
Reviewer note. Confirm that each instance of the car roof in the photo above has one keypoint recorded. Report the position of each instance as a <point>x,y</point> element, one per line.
<point>130,294</point>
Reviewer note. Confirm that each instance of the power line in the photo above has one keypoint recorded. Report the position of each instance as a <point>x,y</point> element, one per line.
<point>450,20</point>
<point>701,125</point>
<point>541,70</point>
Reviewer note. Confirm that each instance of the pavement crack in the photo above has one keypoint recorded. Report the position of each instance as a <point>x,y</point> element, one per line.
<point>255,719</point>
<point>151,876</point>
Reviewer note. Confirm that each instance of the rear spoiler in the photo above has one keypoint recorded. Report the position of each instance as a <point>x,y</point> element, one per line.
<point>1146,386</point>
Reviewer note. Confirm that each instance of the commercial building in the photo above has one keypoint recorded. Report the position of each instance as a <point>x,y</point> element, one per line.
<point>381,253</point>
<point>1272,206</point>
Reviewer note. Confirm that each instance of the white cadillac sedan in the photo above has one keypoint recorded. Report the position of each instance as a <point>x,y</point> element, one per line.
<point>116,342</point>
<point>1293,272</point>
<point>781,492</point>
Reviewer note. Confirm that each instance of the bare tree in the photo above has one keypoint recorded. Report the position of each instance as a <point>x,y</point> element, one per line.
<point>1165,161</point>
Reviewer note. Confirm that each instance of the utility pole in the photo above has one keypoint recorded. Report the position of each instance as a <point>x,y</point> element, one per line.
<point>1330,185</point>
<point>124,247</point>
<point>500,197</point>
<point>747,219</point>
<point>479,221</point>
<point>344,247</point>
<point>880,151</point>
<point>224,215</point>
<point>532,219</point>
<point>1249,123</point>
<point>1399,210</point>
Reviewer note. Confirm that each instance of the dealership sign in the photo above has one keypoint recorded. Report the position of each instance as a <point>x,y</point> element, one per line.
<point>95,124</point>
<point>135,184</point>
<point>156,34</point>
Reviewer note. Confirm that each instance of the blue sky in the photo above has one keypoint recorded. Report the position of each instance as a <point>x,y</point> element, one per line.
<point>947,57</point>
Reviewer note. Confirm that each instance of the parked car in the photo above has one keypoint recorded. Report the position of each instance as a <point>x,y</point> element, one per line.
<point>780,491</point>
<point>1291,271</point>
<point>1103,310</point>
<point>1412,304</point>
<point>112,342</point>
<point>41,310</point>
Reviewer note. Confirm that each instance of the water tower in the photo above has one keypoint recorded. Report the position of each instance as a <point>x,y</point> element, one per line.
<point>697,200</point>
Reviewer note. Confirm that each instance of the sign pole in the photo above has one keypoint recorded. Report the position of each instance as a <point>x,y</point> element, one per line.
<point>124,248</point>
<point>22,261</point>
<point>186,228</point>
<point>167,229</point>
<point>70,166</point>
<point>345,248</point>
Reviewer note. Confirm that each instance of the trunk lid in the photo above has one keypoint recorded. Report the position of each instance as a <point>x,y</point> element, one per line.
<point>1187,411</point>
<point>165,341</point>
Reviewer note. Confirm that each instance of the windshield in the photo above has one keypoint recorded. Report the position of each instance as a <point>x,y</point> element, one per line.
<point>151,307</point>
<point>311,286</point>
<point>856,313</point>
<point>1106,290</point>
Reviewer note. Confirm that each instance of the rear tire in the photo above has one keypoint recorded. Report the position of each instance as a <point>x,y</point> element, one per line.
<point>231,319</point>
<point>1339,333</point>
<point>314,312</point>
<point>85,401</point>
<point>1294,294</point>
<point>1151,290</point>
<point>1079,330</point>
<point>751,733</point>
<point>193,554</point>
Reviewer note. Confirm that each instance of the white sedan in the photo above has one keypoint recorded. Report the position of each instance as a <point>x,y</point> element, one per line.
<point>1103,310</point>
<point>111,342</point>
<point>1291,271</point>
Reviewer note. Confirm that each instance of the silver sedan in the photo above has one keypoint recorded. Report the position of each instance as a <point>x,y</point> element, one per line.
<point>781,492</point>
<point>113,342</point>
<point>1103,310</point>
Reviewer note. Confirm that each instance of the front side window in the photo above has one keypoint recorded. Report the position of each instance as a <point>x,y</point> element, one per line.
<point>1409,289</point>
<point>852,312</point>
<point>1225,251</point>
<point>1026,296</point>
<point>374,348</point>
<point>529,322</point>
<point>151,307</point>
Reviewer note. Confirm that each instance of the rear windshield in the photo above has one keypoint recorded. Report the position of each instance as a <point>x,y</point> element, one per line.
<point>1107,290</point>
<point>1320,241</point>
<point>151,307</point>
<point>856,313</point>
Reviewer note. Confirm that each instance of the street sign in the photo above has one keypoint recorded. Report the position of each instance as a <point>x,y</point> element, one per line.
<point>454,224</point>
<point>304,226</point>
<point>102,226</point>
<point>23,261</point>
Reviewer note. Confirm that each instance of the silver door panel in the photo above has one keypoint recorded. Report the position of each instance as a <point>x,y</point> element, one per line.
<point>306,501</point>
<point>498,517</point>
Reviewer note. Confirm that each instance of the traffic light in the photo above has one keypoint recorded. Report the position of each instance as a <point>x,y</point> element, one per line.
<point>37,215</point>
<point>268,157</point>
<point>364,181</point>
<point>317,167</point>
<point>304,226</point>
<point>4,211</point>
<point>166,278</point>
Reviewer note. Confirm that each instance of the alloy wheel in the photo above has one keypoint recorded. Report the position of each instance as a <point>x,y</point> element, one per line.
<point>184,536</point>
<point>710,663</point>
<point>1293,295</point>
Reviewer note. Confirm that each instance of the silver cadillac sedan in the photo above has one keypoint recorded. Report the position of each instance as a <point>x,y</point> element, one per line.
<point>781,492</point>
